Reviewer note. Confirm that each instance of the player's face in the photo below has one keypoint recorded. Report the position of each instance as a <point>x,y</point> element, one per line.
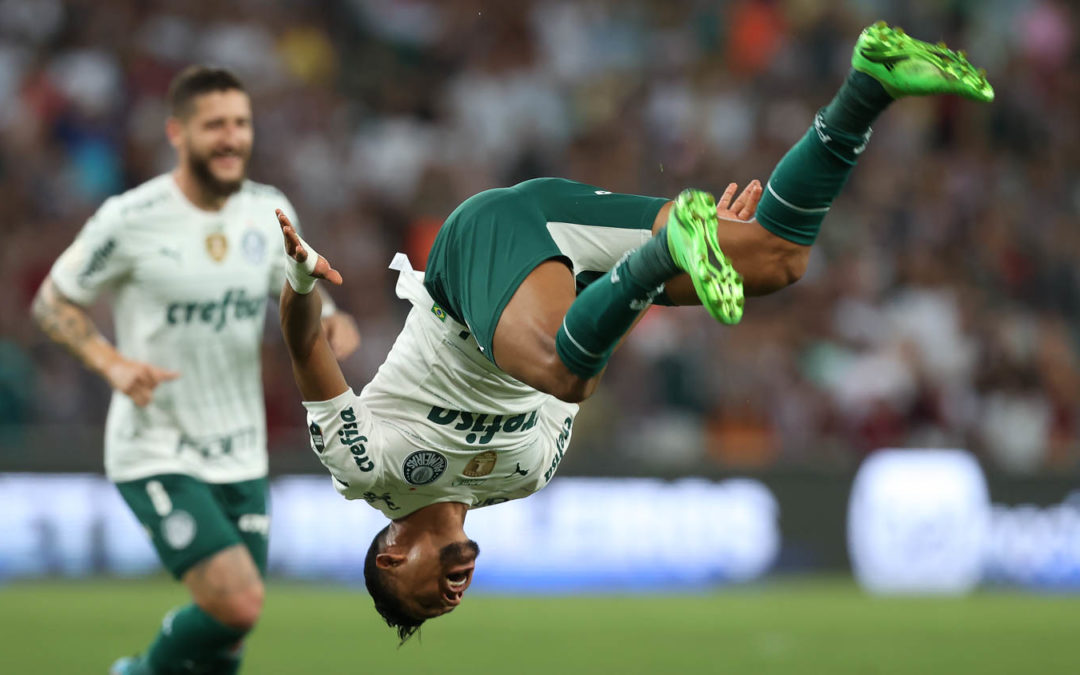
<point>432,581</point>
<point>216,140</point>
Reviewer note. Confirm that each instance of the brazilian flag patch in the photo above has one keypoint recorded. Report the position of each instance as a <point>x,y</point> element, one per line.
<point>438,311</point>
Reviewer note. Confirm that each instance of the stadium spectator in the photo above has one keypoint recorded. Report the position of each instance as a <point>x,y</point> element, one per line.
<point>365,102</point>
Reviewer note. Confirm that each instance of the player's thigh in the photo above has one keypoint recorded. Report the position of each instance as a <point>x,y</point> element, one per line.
<point>524,339</point>
<point>245,503</point>
<point>185,521</point>
<point>484,253</point>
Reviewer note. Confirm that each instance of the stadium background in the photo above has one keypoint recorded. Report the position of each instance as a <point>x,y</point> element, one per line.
<point>940,308</point>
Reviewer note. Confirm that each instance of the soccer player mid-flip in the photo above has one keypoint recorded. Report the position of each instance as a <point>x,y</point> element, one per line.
<point>527,292</point>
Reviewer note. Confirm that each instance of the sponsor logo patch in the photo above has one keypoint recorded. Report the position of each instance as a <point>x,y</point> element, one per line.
<point>253,246</point>
<point>217,246</point>
<point>254,523</point>
<point>481,465</point>
<point>423,467</point>
<point>178,529</point>
<point>479,429</point>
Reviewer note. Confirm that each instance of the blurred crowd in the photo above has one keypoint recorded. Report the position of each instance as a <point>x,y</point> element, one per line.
<point>942,303</point>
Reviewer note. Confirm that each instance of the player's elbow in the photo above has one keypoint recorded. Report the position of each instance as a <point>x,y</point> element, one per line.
<point>48,306</point>
<point>43,301</point>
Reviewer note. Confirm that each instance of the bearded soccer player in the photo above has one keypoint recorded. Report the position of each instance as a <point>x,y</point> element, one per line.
<point>190,257</point>
<point>527,292</point>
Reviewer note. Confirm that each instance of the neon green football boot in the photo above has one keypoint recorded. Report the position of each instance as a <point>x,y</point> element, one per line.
<point>691,238</point>
<point>909,67</point>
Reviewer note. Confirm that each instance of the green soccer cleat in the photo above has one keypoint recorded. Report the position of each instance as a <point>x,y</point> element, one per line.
<point>909,67</point>
<point>691,238</point>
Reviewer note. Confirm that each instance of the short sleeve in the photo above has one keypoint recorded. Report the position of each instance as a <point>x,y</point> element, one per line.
<point>96,260</point>
<point>342,433</point>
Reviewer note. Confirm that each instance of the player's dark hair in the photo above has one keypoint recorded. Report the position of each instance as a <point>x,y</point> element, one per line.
<point>387,604</point>
<point>194,81</point>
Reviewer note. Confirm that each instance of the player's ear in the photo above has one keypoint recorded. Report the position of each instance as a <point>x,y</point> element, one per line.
<point>174,131</point>
<point>386,561</point>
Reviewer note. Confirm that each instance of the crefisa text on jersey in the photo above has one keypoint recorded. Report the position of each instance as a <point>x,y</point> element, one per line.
<point>351,438</point>
<point>475,423</point>
<point>216,312</point>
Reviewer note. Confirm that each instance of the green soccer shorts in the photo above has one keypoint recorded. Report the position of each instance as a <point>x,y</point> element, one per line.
<point>494,239</point>
<point>189,521</point>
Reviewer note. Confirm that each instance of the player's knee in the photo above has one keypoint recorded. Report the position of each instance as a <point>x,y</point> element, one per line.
<point>793,265</point>
<point>239,609</point>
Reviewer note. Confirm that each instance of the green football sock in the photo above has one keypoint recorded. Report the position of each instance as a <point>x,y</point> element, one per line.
<point>858,103</point>
<point>805,182</point>
<point>227,663</point>
<point>189,641</point>
<point>606,309</point>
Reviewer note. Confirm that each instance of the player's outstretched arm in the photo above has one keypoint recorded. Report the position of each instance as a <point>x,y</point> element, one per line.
<point>315,368</point>
<point>68,324</point>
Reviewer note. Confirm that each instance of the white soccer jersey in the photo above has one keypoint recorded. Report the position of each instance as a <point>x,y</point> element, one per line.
<point>439,422</point>
<point>190,290</point>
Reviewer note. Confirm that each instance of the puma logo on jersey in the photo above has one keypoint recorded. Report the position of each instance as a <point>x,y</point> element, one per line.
<point>236,304</point>
<point>519,471</point>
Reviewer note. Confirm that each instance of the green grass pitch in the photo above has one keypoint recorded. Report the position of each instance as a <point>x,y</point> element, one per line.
<point>790,626</point>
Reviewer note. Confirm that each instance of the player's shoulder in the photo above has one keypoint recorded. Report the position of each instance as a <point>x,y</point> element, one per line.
<point>262,191</point>
<point>140,202</point>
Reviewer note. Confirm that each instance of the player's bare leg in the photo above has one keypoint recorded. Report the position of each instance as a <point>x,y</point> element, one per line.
<point>770,254</point>
<point>524,341</point>
<point>227,593</point>
<point>227,586</point>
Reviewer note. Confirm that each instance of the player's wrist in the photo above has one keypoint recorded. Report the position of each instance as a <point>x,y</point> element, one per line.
<point>110,365</point>
<point>299,274</point>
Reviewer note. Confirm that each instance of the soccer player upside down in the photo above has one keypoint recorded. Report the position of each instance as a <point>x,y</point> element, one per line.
<point>527,292</point>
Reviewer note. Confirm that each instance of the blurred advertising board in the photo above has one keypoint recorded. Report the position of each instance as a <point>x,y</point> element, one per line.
<point>921,521</point>
<point>595,534</point>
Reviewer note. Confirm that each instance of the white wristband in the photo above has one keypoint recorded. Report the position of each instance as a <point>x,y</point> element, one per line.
<point>298,274</point>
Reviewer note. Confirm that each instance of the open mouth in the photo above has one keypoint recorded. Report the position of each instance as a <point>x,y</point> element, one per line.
<point>457,578</point>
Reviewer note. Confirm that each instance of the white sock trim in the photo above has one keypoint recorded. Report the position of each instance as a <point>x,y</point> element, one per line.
<point>578,344</point>
<point>769,187</point>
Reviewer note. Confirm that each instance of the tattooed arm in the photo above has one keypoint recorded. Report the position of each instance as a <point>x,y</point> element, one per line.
<point>68,324</point>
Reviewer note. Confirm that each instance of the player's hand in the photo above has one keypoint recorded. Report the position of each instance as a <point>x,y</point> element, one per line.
<point>742,208</point>
<point>136,379</point>
<point>295,250</point>
<point>342,334</point>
